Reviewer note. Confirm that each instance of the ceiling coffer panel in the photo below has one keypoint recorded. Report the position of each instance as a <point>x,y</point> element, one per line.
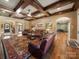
<point>45,3</point>
<point>62,8</point>
<point>11,4</point>
<point>29,9</point>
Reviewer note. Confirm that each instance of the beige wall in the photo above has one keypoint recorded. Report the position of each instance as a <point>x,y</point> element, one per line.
<point>71,15</point>
<point>13,22</point>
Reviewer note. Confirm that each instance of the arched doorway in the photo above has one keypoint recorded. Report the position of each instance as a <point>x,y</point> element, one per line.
<point>19,29</point>
<point>63,23</point>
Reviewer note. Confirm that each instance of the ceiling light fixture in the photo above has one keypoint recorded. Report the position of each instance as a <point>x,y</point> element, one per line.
<point>58,9</point>
<point>29,13</point>
<point>18,11</point>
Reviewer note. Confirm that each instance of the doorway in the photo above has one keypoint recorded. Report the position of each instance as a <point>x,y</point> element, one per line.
<point>63,23</point>
<point>19,29</point>
<point>6,31</point>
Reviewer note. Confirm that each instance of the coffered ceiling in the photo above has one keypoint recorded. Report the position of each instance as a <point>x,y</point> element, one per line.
<point>45,3</point>
<point>34,9</point>
<point>10,4</point>
<point>65,7</point>
<point>29,8</point>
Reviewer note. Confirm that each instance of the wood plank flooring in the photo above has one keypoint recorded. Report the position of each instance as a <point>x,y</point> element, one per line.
<point>61,50</point>
<point>60,46</point>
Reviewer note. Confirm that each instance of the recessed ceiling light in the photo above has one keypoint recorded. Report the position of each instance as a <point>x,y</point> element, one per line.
<point>7,0</point>
<point>58,9</point>
<point>19,10</point>
<point>29,15</point>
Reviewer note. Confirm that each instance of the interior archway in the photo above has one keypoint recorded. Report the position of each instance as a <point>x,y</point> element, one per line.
<point>63,23</point>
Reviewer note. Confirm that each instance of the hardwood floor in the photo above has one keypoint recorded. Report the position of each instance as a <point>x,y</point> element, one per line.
<point>59,46</point>
<point>61,50</point>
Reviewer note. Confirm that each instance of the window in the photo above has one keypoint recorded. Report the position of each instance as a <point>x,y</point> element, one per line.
<point>6,28</point>
<point>19,27</point>
<point>63,26</point>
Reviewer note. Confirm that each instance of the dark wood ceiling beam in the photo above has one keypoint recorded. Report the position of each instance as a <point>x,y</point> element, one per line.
<point>57,13</point>
<point>63,12</point>
<point>77,3</point>
<point>76,6</point>
<point>35,12</point>
<point>58,4</point>
<point>39,7</point>
<point>19,4</point>
<point>35,4</point>
<point>24,4</point>
<point>26,16</point>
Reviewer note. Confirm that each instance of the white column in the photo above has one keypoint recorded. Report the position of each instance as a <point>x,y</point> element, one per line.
<point>78,25</point>
<point>69,33</point>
